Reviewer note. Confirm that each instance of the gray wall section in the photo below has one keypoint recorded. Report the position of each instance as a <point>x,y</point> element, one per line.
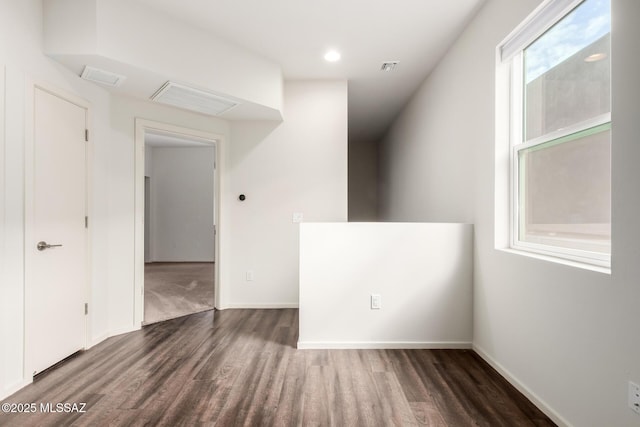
<point>363,180</point>
<point>182,204</point>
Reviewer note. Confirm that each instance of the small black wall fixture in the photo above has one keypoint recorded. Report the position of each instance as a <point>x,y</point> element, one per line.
<point>242,197</point>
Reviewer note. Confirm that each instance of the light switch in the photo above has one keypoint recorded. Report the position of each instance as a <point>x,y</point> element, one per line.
<point>297,217</point>
<point>376,302</point>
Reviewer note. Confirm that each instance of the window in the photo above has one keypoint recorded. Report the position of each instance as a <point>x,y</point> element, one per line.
<point>560,131</point>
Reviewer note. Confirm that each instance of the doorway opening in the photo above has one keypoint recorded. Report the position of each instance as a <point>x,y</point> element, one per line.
<point>176,221</point>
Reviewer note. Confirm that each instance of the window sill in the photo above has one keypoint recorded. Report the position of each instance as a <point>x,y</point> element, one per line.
<point>557,260</point>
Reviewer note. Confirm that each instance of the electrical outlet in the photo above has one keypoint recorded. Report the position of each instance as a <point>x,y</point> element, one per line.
<point>634,397</point>
<point>249,276</point>
<point>376,302</point>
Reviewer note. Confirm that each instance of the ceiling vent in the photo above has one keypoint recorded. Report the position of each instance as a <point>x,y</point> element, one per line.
<point>389,66</point>
<point>103,77</point>
<point>193,99</point>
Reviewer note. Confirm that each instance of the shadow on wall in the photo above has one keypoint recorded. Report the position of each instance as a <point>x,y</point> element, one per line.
<point>363,180</point>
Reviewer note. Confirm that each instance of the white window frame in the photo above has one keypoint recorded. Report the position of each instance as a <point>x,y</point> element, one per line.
<point>511,53</point>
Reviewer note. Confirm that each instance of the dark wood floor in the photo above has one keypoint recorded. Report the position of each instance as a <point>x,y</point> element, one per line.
<point>244,369</point>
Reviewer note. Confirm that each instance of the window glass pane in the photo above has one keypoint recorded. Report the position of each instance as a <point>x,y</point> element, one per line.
<point>567,71</point>
<point>564,194</point>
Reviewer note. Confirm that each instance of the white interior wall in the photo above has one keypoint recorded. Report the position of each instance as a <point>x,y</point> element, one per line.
<point>565,336</point>
<point>422,273</point>
<point>425,163</point>
<point>21,53</point>
<point>182,204</point>
<point>4,310</point>
<point>299,165</point>
<point>124,111</point>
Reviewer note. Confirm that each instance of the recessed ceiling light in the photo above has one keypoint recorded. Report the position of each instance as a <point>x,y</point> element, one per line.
<point>595,57</point>
<point>332,56</point>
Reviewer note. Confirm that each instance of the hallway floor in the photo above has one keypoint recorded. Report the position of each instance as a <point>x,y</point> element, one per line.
<point>174,289</point>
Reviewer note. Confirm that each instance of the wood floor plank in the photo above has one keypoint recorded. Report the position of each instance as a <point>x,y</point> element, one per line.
<point>290,399</point>
<point>344,388</point>
<point>427,415</point>
<point>396,410</point>
<point>244,369</point>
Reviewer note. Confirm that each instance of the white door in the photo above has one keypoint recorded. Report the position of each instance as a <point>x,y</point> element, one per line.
<point>57,275</point>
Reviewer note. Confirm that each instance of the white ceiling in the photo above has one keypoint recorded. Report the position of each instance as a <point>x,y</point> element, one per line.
<point>297,33</point>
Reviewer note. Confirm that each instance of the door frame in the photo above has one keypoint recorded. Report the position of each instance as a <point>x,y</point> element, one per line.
<point>147,217</point>
<point>217,142</point>
<point>29,205</point>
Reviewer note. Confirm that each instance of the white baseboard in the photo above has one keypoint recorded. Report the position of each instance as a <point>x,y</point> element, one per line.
<point>94,341</point>
<point>258,306</point>
<point>97,340</point>
<point>126,330</point>
<point>4,393</point>
<point>541,404</point>
<point>317,345</point>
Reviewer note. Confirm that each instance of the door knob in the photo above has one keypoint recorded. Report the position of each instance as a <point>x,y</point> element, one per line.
<point>43,245</point>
